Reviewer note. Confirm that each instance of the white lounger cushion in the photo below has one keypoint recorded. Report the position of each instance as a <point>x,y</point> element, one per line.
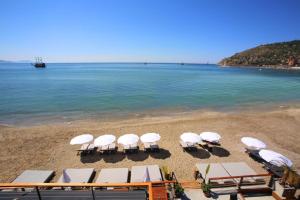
<point>138,173</point>
<point>216,171</point>
<point>240,169</point>
<point>113,175</point>
<point>34,176</point>
<point>76,175</point>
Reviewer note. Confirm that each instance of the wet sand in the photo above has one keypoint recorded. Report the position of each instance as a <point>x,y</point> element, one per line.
<point>47,146</point>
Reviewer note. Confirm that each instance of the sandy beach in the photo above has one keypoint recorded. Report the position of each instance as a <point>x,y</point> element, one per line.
<point>47,146</point>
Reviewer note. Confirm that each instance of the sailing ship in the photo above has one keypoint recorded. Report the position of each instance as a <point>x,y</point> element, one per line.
<point>39,63</point>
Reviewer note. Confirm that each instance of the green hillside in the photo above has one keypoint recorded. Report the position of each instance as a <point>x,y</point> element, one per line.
<point>282,54</point>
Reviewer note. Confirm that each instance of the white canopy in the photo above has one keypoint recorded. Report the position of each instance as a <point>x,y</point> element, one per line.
<point>253,143</point>
<point>150,137</point>
<point>190,137</point>
<point>210,136</point>
<point>128,139</point>
<point>82,139</point>
<point>275,158</point>
<point>104,140</point>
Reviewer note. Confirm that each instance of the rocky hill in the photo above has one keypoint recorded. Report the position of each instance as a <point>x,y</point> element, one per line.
<point>282,54</point>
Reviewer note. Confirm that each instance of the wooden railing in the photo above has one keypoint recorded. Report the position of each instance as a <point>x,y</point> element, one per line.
<point>240,177</point>
<point>37,186</point>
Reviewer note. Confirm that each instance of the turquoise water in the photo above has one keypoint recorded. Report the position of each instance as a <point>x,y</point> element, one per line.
<point>78,91</point>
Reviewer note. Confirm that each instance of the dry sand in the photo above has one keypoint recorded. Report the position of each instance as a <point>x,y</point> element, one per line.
<point>47,146</point>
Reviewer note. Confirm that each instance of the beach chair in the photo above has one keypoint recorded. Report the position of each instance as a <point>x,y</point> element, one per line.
<point>91,148</point>
<point>113,175</point>
<point>108,148</point>
<point>112,148</point>
<point>139,173</point>
<point>151,147</point>
<point>187,146</point>
<point>83,149</point>
<point>216,171</point>
<point>242,169</point>
<point>273,169</point>
<point>130,148</point>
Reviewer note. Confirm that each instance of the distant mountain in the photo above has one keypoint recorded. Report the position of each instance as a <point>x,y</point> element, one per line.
<point>282,54</point>
<point>24,61</point>
<point>19,61</point>
<point>5,61</point>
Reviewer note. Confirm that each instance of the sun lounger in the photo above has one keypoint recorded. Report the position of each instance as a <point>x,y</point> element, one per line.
<point>112,147</point>
<point>82,149</point>
<point>77,175</point>
<point>130,148</point>
<point>139,173</point>
<point>242,169</point>
<point>275,170</point>
<point>187,146</point>
<point>86,149</point>
<point>216,171</point>
<point>152,147</point>
<point>91,148</point>
<point>108,148</point>
<point>35,176</point>
<point>113,175</point>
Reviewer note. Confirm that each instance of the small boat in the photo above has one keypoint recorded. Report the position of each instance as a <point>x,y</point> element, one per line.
<point>39,63</point>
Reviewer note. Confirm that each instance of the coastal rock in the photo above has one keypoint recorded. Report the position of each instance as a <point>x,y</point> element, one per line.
<point>292,61</point>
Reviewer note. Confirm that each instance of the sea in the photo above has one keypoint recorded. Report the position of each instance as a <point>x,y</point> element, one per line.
<point>79,91</point>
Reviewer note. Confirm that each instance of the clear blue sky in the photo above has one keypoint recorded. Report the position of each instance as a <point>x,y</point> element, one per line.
<point>142,30</point>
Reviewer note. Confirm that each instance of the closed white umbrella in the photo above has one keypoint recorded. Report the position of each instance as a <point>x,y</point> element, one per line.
<point>275,158</point>
<point>82,139</point>
<point>210,136</point>
<point>104,140</point>
<point>253,143</point>
<point>128,139</point>
<point>150,137</point>
<point>189,137</point>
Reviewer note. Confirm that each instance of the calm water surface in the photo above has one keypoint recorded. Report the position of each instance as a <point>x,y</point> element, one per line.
<point>78,91</point>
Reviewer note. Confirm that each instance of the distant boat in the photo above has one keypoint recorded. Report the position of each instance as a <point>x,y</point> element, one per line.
<point>39,63</point>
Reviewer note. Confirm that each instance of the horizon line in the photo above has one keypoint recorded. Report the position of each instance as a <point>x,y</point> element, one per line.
<point>111,62</point>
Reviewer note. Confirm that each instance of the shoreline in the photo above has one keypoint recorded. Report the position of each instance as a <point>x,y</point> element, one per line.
<point>47,146</point>
<point>276,67</point>
<point>45,119</point>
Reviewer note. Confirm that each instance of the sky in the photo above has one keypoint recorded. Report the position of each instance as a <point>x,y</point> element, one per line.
<point>196,31</point>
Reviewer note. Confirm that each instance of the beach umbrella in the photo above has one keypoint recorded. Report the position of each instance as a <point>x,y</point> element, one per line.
<point>253,143</point>
<point>275,158</point>
<point>190,137</point>
<point>210,136</point>
<point>104,140</point>
<point>128,139</point>
<point>150,137</point>
<point>82,139</point>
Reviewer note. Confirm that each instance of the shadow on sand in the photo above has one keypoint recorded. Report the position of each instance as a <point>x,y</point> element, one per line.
<point>114,157</point>
<point>138,156</point>
<point>161,154</point>
<point>199,153</point>
<point>90,158</point>
<point>219,151</point>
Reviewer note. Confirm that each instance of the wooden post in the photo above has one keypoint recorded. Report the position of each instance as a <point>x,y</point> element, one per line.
<point>38,192</point>
<point>150,191</point>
